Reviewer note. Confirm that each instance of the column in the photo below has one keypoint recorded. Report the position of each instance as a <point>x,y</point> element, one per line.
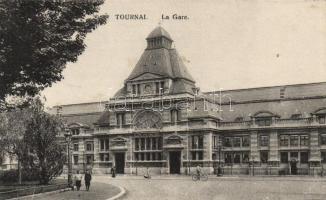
<point>273,157</point>
<point>315,157</point>
<point>254,154</point>
<point>96,152</point>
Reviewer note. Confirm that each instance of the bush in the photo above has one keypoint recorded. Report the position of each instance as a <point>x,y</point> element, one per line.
<point>11,176</point>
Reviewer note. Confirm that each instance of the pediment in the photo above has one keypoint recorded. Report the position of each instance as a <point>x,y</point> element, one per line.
<point>146,76</point>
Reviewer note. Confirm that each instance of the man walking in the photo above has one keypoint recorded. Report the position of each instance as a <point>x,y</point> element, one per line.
<point>88,178</point>
<point>78,179</point>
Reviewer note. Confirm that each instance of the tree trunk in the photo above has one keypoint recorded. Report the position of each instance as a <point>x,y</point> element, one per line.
<point>19,172</point>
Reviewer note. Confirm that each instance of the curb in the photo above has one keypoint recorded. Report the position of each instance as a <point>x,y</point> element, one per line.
<point>40,194</point>
<point>122,192</point>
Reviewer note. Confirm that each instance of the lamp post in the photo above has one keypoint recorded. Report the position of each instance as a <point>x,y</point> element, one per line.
<point>68,140</point>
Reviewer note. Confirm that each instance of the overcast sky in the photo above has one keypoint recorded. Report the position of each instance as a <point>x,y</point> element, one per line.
<point>225,44</point>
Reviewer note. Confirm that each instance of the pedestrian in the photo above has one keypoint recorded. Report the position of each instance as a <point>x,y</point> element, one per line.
<point>198,171</point>
<point>88,178</point>
<point>78,178</point>
<point>113,171</point>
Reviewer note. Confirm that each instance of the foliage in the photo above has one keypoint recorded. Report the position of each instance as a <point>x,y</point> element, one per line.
<point>11,176</point>
<point>42,148</point>
<point>30,134</point>
<point>38,38</point>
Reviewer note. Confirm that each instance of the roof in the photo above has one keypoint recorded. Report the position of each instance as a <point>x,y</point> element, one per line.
<point>163,62</point>
<point>159,32</point>
<point>282,92</point>
<point>283,101</point>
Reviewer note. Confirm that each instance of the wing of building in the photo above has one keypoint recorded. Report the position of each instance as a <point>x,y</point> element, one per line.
<point>160,120</point>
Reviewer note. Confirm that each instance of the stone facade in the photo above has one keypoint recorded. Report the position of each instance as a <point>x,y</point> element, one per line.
<point>161,122</point>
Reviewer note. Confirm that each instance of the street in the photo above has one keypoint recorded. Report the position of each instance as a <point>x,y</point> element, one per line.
<point>234,188</point>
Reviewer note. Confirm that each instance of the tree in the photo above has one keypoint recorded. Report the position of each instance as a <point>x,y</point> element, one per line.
<point>12,130</point>
<point>42,149</point>
<point>38,38</point>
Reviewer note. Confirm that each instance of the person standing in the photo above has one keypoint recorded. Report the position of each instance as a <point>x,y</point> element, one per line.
<point>88,178</point>
<point>113,171</point>
<point>78,179</point>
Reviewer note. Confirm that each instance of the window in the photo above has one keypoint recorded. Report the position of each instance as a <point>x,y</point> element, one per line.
<point>236,141</point>
<point>228,158</point>
<point>239,119</point>
<point>304,140</point>
<point>227,142</point>
<point>75,159</point>
<point>162,86</point>
<point>236,157</point>
<point>75,131</point>
<point>89,159</point>
<point>148,143</point>
<point>294,140</point>
<point>284,157</point>
<point>142,143</point>
<point>200,155</point>
<point>296,116</point>
<point>121,120</point>
<point>245,157</point>
<point>323,156</point>
<point>323,139</point>
<point>197,142</point>
<point>246,141</point>
<point>264,156</point>
<point>134,92</point>
<point>284,140</point>
<point>303,157</point>
<point>264,121</point>
<point>264,140</point>
<point>138,89</point>
<point>282,92</point>
<point>104,144</point>
<point>148,148</point>
<point>157,87</point>
<point>76,147</point>
<point>137,144</point>
<point>321,119</point>
<point>104,157</point>
<point>215,142</point>
<point>175,115</point>
<point>89,146</point>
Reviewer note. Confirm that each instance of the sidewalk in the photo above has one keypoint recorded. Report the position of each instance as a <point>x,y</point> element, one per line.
<point>222,178</point>
<point>98,191</point>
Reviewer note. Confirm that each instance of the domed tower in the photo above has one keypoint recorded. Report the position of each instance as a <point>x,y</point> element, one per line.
<point>160,70</point>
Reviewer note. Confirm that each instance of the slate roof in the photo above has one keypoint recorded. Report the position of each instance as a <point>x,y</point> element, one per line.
<point>159,32</point>
<point>283,101</point>
<point>163,62</point>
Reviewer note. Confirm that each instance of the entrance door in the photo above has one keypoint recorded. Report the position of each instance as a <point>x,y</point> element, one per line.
<point>175,162</point>
<point>120,163</point>
<point>294,168</point>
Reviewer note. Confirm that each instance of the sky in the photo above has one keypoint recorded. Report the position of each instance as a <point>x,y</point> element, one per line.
<point>225,44</point>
